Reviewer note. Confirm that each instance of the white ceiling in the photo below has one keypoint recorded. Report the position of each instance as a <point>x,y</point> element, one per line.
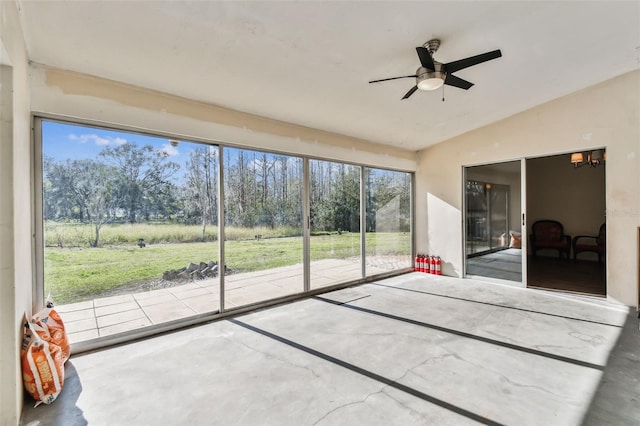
<point>309,63</point>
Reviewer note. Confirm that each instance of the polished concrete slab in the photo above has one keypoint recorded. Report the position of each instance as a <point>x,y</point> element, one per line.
<point>413,349</point>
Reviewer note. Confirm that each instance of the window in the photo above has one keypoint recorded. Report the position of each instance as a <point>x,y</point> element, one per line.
<point>388,221</point>
<point>130,228</point>
<point>263,226</point>
<point>140,230</point>
<point>335,223</point>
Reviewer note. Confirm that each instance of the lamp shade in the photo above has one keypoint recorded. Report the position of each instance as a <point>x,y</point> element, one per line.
<point>577,157</point>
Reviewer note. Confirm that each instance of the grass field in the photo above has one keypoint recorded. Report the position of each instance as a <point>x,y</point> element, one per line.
<point>76,274</point>
<point>81,235</point>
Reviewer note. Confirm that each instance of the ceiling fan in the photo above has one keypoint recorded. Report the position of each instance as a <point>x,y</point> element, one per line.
<point>433,74</point>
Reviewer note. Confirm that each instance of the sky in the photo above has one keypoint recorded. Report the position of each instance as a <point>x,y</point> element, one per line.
<point>63,141</point>
<point>67,141</point>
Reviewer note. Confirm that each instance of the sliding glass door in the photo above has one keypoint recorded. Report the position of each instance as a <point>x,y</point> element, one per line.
<point>492,213</point>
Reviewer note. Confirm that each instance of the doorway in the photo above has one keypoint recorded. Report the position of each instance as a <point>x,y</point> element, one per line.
<point>492,221</point>
<point>572,194</point>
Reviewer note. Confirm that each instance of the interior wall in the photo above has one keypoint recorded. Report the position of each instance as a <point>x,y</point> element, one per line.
<point>605,115</point>
<point>85,97</point>
<point>574,197</point>
<point>16,254</point>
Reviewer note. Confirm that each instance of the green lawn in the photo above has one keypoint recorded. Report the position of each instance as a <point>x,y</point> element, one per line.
<point>77,274</point>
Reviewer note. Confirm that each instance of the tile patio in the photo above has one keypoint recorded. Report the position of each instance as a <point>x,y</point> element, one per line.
<point>109,315</point>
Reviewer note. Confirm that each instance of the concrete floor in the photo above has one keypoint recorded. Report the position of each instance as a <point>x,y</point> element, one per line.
<point>414,349</point>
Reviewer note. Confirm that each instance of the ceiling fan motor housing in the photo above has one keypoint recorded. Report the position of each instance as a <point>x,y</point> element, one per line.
<point>432,45</point>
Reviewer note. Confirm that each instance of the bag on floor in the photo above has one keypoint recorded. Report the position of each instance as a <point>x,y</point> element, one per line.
<point>52,329</point>
<point>42,365</point>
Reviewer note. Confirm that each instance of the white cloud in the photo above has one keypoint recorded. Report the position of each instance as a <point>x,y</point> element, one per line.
<point>98,140</point>
<point>75,137</point>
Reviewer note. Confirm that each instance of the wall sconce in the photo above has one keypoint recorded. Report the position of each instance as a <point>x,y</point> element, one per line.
<point>594,158</point>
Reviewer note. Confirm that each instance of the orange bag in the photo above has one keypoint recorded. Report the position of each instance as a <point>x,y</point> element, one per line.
<point>42,365</point>
<point>52,329</point>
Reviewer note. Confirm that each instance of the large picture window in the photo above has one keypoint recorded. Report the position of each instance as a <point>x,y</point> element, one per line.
<point>132,226</point>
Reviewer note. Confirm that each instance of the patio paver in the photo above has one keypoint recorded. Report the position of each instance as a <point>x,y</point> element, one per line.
<point>108,315</point>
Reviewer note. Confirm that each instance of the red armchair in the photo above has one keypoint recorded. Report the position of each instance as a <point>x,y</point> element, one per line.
<point>549,234</point>
<point>588,243</point>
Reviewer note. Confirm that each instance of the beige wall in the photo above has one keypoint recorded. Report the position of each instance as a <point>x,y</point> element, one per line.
<point>15,208</point>
<point>606,115</point>
<point>84,97</point>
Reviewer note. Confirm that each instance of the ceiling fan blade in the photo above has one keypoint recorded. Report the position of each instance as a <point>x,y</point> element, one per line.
<point>410,92</point>
<point>425,58</point>
<point>393,78</point>
<point>454,81</point>
<point>471,61</point>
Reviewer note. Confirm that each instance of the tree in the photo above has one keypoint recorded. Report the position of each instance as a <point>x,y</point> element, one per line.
<point>58,201</point>
<point>86,187</point>
<point>202,185</point>
<point>141,172</point>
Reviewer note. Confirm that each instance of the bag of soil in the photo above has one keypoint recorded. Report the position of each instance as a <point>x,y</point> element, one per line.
<point>42,365</point>
<point>52,329</point>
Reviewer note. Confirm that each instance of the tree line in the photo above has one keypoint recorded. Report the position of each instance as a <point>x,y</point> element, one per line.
<point>134,183</point>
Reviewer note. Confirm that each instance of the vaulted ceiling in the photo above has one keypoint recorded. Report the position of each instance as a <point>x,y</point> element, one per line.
<point>309,63</point>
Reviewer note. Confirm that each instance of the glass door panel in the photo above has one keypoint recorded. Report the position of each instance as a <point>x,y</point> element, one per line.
<point>492,221</point>
<point>263,226</point>
<point>388,221</point>
<point>335,223</point>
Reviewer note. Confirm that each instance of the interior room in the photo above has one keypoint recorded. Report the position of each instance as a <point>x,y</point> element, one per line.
<point>575,197</point>
<point>225,202</point>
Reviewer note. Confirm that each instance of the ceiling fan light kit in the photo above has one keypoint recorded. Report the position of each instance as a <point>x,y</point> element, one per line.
<point>433,74</point>
<point>430,80</point>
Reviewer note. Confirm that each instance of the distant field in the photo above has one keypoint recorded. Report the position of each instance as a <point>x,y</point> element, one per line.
<point>80,235</point>
<point>81,273</point>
